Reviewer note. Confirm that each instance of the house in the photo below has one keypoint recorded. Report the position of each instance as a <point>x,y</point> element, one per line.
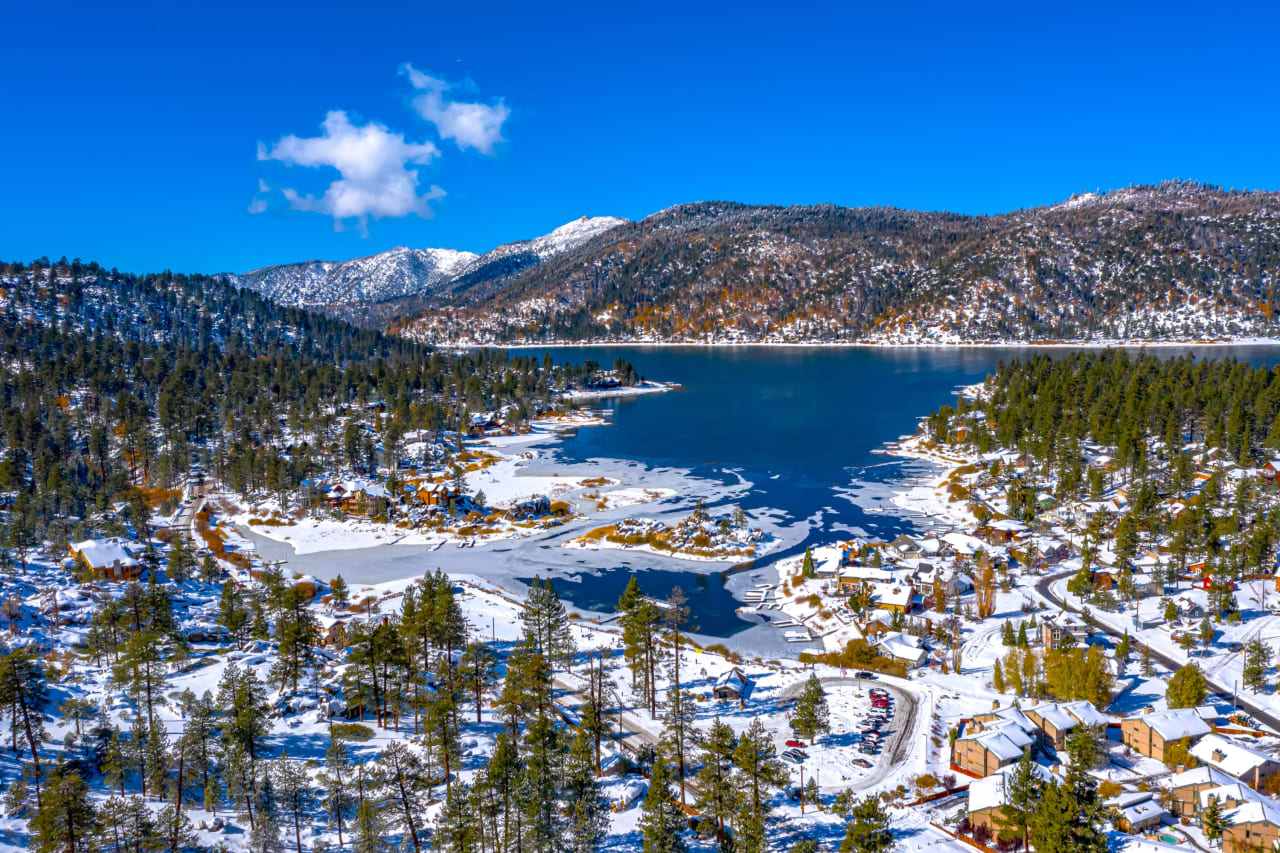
<point>906,548</point>
<point>1182,790</point>
<point>1004,531</point>
<point>992,742</point>
<point>107,559</point>
<point>989,795</point>
<point>903,647</point>
<point>1056,720</point>
<point>932,579</point>
<point>732,686</point>
<point>898,597</point>
<point>1134,812</point>
<point>438,494</point>
<point>1149,734</point>
<point>1269,468</point>
<point>1236,760</point>
<point>1252,826</point>
<point>1055,626</point>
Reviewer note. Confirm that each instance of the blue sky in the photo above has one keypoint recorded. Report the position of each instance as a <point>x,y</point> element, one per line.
<point>144,137</point>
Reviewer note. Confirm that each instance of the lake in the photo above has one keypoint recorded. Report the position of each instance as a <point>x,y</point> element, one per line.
<point>789,433</point>
<point>800,424</point>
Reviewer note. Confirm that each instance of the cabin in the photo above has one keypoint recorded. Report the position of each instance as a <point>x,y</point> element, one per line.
<point>1055,626</point>
<point>1150,734</point>
<point>107,559</point>
<point>732,686</point>
<point>1182,790</point>
<point>906,548</point>
<point>438,494</point>
<point>1237,760</point>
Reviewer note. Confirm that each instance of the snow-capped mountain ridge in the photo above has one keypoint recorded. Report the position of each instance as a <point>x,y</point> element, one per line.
<point>405,273</point>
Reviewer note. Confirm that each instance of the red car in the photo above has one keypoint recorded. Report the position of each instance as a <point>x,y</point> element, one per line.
<point>796,743</point>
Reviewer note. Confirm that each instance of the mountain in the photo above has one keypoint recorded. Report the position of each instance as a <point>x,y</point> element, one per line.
<point>389,275</point>
<point>408,279</point>
<point>1174,261</point>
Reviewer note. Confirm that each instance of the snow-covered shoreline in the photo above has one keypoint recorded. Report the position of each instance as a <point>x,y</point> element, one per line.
<point>991,344</point>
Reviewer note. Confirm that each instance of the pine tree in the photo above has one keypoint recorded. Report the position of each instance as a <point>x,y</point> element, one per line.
<point>811,716</point>
<point>65,820</point>
<point>1212,822</point>
<point>1022,794</point>
<point>997,677</point>
<point>1257,661</point>
<point>718,797</point>
<point>868,828</point>
<point>1022,635</point>
<point>336,779</point>
<point>406,784</point>
<point>1187,688</point>
<point>1007,637</point>
<point>292,788</point>
<point>661,821</point>
<point>543,773</point>
<point>264,835</point>
<point>456,828</point>
<point>586,816</point>
<point>807,568</point>
<point>758,770</point>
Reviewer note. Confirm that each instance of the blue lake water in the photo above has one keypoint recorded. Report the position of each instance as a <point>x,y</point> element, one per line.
<point>800,424</point>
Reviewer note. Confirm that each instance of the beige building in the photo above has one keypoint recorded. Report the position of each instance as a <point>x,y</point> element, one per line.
<point>1149,734</point>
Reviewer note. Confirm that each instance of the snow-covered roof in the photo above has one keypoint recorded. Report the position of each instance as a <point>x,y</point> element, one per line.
<point>101,553</point>
<point>892,594</point>
<point>992,791</point>
<point>1085,712</point>
<point>1261,810</point>
<point>964,544</point>
<point>1004,740</point>
<point>1176,724</point>
<point>902,646</point>
<point>1229,756</point>
<point>1198,776</point>
<point>1056,716</point>
<point>1235,792</point>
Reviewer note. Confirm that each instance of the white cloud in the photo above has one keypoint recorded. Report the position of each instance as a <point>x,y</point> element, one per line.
<point>374,166</point>
<point>257,206</point>
<point>470,125</point>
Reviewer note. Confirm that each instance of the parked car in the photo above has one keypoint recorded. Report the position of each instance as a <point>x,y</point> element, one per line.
<point>865,674</point>
<point>793,758</point>
<point>797,743</point>
<point>861,762</point>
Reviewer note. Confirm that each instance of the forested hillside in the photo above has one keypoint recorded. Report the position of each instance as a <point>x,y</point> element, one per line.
<point>115,385</point>
<point>1178,260</point>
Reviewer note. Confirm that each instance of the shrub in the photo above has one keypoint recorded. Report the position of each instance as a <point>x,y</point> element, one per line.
<point>354,732</point>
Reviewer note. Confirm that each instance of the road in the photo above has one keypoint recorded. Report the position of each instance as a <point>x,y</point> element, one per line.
<point>1262,715</point>
<point>898,745</point>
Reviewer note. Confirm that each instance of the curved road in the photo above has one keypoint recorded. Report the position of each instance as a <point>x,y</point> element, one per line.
<point>898,744</point>
<point>1263,715</point>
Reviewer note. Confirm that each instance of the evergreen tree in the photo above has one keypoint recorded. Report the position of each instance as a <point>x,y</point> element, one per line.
<point>336,779</point>
<point>1187,688</point>
<point>661,821</point>
<point>718,797</point>
<point>65,820</point>
<point>868,828</point>
<point>1212,821</point>
<point>1257,662</point>
<point>1022,792</point>
<point>586,815</point>
<point>811,716</point>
